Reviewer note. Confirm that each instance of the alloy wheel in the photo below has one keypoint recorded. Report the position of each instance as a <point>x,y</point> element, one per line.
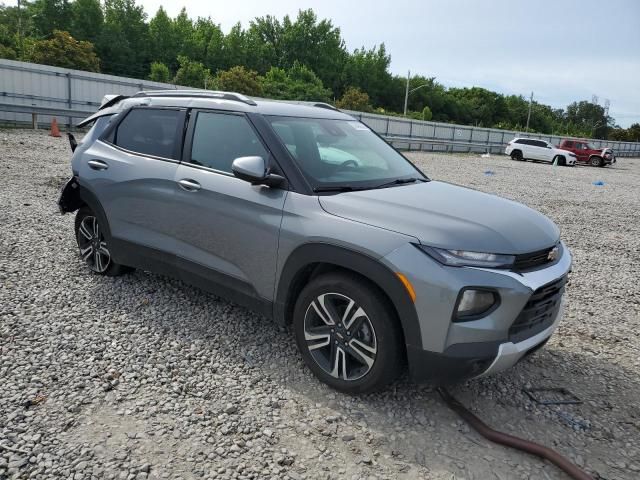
<point>93,247</point>
<point>340,336</point>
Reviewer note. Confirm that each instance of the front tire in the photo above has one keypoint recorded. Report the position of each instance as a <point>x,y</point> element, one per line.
<point>516,155</point>
<point>347,333</point>
<point>93,245</point>
<point>596,162</point>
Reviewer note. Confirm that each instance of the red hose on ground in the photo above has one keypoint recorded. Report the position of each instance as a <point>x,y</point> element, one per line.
<point>514,442</point>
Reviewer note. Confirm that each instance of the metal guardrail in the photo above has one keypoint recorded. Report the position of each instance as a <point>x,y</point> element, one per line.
<point>36,110</point>
<point>421,141</point>
<point>400,141</point>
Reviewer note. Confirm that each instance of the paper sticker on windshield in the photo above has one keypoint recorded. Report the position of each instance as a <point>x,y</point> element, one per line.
<point>358,126</point>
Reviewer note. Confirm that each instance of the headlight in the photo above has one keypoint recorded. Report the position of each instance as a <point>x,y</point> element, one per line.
<point>473,303</point>
<point>572,154</point>
<point>462,258</point>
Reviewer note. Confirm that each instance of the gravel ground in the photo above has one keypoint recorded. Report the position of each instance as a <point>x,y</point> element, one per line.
<point>142,376</point>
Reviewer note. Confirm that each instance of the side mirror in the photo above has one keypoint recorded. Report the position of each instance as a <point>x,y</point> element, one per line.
<point>255,171</point>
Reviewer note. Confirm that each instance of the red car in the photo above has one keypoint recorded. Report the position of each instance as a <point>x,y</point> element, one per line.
<point>587,153</point>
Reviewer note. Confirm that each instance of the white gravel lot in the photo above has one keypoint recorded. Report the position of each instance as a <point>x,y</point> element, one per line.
<point>142,377</point>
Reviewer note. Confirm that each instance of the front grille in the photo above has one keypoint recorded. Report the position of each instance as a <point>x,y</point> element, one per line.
<point>529,261</point>
<point>539,312</point>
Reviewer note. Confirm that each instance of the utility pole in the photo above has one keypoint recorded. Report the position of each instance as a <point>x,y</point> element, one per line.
<point>529,114</point>
<point>19,32</point>
<point>406,93</point>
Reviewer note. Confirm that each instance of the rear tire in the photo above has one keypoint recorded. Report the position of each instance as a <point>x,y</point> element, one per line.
<point>93,245</point>
<point>516,155</point>
<point>347,333</point>
<point>596,162</point>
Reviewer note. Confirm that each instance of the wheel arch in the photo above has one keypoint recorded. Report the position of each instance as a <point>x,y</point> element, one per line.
<point>311,260</point>
<point>90,200</point>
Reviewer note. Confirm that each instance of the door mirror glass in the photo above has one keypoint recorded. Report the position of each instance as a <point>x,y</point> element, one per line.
<point>255,170</point>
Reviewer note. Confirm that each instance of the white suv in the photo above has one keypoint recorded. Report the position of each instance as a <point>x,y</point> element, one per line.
<point>533,149</point>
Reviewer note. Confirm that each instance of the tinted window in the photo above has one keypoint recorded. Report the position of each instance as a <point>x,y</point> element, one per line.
<point>218,139</point>
<point>150,132</point>
<point>523,142</point>
<point>568,144</point>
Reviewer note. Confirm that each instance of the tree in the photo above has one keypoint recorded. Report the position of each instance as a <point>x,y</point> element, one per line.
<point>426,114</point>
<point>369,71</point>
<point>159,73</point>
<point>316,44</point>
<point>239,79</point>
<point>124,43</point>
<point>86,20</point>
<point>50,15</point>
<point>192,74</point>
<point>296,83</point>
<point>234,50</point>
<point>62,50</point>
<point>164,46</point>
<point>588,118</point>
<point>354,99</point>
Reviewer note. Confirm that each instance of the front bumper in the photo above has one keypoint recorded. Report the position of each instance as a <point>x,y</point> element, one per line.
<point>451,351</point>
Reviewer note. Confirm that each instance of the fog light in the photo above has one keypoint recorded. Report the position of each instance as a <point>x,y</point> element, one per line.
<point>473,303</point>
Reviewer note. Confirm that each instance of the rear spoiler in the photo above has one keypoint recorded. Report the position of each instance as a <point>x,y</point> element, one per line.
<point>106,108</point>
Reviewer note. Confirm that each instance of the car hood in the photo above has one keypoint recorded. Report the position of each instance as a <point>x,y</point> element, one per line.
<point>448,216</point>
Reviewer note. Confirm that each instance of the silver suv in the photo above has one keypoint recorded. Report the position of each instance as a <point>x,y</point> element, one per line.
<point>306,216</point>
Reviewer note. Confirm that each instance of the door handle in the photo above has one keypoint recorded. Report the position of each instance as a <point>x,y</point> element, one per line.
<point>97,164</point>
<point>189,185</point>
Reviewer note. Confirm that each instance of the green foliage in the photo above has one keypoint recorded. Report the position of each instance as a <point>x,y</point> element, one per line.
<point>50,15</point>
<point>354,99</point>
<point>159,73</point>
<point>368,70</point>
<point>192,74</point>
<point>427,114</point>
<point>62,50</point>
<point>239,79</point>
<point>124,41</point>
<point>297,83</point>
<point>87,20</point>
<point>631,134</point>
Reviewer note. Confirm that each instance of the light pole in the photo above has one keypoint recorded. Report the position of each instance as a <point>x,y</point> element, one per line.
<point>407,92</point>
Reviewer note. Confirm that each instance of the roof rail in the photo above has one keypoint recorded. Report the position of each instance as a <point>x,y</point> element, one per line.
<point>238,97</point>
<point>328,106</point>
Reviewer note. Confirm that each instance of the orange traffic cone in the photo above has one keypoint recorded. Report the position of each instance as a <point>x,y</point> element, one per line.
<point>55,131</point>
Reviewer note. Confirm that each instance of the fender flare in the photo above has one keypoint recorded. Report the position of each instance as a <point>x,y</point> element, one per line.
<point>340,257</point>
<point>88,197</point>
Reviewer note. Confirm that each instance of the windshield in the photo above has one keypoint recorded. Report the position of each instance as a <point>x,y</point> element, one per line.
<point>591,146</point>
<point>342,153</point>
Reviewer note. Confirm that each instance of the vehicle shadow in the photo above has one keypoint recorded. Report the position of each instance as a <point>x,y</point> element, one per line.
<point>405,423</point>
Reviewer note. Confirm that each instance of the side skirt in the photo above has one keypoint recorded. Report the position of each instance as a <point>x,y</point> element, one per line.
<point>206,279</point>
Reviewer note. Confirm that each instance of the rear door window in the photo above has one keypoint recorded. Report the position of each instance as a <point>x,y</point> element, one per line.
<point>151,131</point>
<point>220,138</point>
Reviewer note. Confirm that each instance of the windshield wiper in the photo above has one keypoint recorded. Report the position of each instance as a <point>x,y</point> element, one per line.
<point>335,188</point>
<point>400,181</point>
